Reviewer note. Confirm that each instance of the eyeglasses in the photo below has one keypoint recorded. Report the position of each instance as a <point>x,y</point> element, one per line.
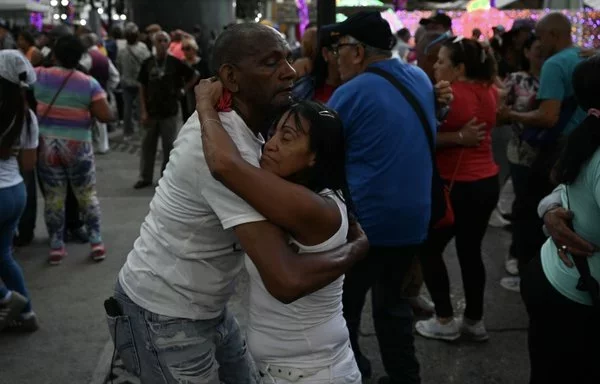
<point>336,48</point>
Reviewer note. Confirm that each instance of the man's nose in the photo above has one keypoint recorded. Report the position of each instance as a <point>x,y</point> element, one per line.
<point>288,72</point>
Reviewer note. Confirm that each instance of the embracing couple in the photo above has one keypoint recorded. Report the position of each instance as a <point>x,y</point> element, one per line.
<point>222,193</point>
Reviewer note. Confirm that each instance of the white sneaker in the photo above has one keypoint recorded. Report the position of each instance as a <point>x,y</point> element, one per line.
<point>475,332</point>
<point>511,283</point>
<point>422,304</point>
<point>512,266</point>
<point>433,329</point>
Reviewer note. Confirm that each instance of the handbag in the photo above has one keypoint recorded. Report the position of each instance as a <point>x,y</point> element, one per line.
<point>442,214</point>
<point>586,280</point>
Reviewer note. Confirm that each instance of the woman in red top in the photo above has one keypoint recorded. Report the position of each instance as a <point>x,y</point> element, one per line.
<point>465,161</point>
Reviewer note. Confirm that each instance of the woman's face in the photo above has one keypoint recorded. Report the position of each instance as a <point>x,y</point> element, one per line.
<point>534,55</point>
<point>445,69</point>
<point>288,151</point>
<point>188,51</point>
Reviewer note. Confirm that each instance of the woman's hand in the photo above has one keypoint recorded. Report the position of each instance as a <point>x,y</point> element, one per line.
<point>208,92</point>
<point>443,92</point>
<point>558,224</point>
<point>472,134</point>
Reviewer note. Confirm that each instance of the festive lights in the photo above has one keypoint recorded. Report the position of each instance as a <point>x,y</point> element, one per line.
<point>586,24</point>
<point>302,15</point>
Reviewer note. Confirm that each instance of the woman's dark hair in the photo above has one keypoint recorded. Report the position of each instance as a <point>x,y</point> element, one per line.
<point>584,141</point>
<point>320,69</point>
<point>532,38</point>
<point>327,142</point>
<point>479,63</point>
<point>68,51</point>
<point>12,116</point>
<point>27,36</point>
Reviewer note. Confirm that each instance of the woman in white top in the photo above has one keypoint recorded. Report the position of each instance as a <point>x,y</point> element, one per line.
<point>18,143</point>
<point>304,339</point>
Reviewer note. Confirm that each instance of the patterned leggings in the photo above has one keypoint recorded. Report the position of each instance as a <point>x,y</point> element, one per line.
<point>62,161</point>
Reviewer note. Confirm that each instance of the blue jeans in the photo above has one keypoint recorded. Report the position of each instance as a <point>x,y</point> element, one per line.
<point>165,350</point>
<point>12,203</point>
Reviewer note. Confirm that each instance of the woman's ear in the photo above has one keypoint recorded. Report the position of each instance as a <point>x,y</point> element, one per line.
<point>228,76</point>
<point>312,160</point>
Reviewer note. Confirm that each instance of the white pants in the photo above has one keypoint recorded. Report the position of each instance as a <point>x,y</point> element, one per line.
<point>343,371</point>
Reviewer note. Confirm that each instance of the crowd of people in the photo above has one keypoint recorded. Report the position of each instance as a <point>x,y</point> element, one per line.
<point>347,169</point>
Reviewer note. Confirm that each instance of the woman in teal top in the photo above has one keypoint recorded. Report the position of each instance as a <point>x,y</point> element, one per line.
<point>564,327</point>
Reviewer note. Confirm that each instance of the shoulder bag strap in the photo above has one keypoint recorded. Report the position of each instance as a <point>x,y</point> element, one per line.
<point>47,111</point>
<point>137,60</point>
<point>414,103</point>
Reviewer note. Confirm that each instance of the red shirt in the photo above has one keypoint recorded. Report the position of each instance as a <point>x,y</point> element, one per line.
<point>323,94</point>
<point>470,100</point>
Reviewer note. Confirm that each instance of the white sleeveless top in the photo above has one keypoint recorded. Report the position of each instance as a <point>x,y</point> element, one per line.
<point>310,332</point>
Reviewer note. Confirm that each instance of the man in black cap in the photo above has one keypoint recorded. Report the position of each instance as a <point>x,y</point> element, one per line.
<point>389,170</point>
<point>439,22</point>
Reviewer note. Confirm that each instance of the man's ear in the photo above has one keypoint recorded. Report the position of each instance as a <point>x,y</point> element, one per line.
<point>359,54</point>
<point>229,77</point>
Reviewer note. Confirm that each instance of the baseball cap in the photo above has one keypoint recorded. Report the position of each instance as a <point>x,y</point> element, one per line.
<point>499,28</point>
<point>15,68</point>
<point>367,27</point>
<point>438,18</point>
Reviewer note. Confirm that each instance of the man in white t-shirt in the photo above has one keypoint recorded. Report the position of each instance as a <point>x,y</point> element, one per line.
<point>168,316</point>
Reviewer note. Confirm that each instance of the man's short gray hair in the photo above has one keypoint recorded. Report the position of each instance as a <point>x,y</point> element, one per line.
<point>163,34</point>
<point>89,40</point>
<point>369,50</point>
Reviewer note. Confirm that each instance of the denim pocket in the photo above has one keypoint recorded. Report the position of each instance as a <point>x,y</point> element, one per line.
<point>122,336</point>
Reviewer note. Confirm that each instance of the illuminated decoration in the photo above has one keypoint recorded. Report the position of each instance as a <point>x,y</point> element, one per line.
<point>340,17</point>
<point>302,15</point>
<point>478,5</point>
<point>395,23</point>
<point>36,19</point>
<point>586,24</point>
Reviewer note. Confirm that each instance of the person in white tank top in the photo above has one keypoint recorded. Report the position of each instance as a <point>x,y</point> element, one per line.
<point>303,339</point>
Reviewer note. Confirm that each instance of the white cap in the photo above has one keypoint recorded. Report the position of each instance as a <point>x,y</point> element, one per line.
<point>15,68</point>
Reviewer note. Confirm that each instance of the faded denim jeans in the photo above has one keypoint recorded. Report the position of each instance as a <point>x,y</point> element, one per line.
<point>165,350</point>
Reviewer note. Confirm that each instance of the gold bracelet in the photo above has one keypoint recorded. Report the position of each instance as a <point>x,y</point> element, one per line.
<point>203,123</point>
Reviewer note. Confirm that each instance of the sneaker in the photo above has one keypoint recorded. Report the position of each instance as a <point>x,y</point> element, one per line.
<point>10,311</point>
<point>98,252</point>
<point>27,324</point>
<point>56,256</point>
<point>512,283</point>
<point>512,266</point>
<point>474,331</point>
<point>434,329</point>
<point>421,305</point>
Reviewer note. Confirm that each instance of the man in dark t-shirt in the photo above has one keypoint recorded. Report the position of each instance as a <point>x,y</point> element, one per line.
<point>163,79</point>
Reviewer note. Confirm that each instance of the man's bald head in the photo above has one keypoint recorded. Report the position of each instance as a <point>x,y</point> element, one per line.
<point>556,22</point>
<point>554,32</point>
<point>242,41</point>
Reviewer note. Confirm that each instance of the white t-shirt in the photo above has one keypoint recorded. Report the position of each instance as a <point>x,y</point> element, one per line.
<point>9,169</point>
<point>310,332</point>
<point>187,256</point>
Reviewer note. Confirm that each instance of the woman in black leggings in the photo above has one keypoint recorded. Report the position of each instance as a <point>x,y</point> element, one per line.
<point>465,161</point>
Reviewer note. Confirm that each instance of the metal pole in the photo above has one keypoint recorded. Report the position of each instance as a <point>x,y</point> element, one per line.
<point>109,8</point>
<point>325,12</point>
